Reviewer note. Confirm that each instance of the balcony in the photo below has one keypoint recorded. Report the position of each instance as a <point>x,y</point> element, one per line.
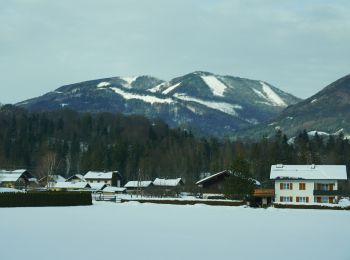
<point>328,192</point>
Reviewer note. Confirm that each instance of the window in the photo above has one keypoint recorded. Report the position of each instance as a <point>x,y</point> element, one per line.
<point>302,186</point>
<point>286,199</point>
<point>286,186</point>
<point>303,199</point>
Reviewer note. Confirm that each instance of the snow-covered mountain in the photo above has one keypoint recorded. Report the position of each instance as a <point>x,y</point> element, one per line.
<point>327,112</point>
<point>208,103</point>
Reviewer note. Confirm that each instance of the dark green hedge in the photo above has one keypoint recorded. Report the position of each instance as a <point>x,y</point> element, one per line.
<point>290,206</point>
<point>42,199</point>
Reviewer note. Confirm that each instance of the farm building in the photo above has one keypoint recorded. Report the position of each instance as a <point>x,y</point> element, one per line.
<point>51,179</point>
<point>111,178</point>
<point>70,186</point>
<point>141,186</point>
<point>212,186</point>
<point>307,183</point>
<point>167,187</point>
<point>19,179</point>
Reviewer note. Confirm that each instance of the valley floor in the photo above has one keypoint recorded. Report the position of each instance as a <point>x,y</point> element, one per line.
<point>150,231</point>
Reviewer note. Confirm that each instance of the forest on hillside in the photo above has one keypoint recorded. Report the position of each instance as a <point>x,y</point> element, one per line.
<point>67,142</point>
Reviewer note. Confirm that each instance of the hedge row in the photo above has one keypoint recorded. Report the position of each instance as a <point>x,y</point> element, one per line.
<point>42,199</point>
<point>290,206</point>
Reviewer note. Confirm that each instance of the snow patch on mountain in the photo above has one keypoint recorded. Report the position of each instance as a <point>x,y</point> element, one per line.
<point>171,88</point>
<point>221,106</point>
<point>103,84</point>
<point>129,80</point>
<point>145,98</point>
<point>217,87</point>
<point>270,95</point>
<point>157,88</point>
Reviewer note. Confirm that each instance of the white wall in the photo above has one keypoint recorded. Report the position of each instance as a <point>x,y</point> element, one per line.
<point>295,192</point>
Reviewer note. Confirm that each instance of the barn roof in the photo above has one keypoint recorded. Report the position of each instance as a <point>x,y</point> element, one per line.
<point>76,176</point>
<point>308,172</point>
<point>222,173</point>
<point>13,176</point>
<point>137,184</point>
<point>71,185</point>
<point>213,176</point>
<point>167,182</point>
<point>99,175</point>
<point>97,186</point>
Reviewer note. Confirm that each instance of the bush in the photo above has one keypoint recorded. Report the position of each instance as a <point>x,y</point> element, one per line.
<point>42,199</point>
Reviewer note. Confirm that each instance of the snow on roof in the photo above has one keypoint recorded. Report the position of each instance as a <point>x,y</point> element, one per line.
<point>11,176</point>
<point>76,176</point>
<point>221,106</point>
<point>136,184</point>
<point>97,186</point>
<point>3,190</point>
<point>71,185</point>
<point>167,182</point>
<point>217,87</point>
<point>58,178</point>
<point>308,172</point>
<point>212,176</point>
<point>98,175</point>
<point>226,172</point>
<point>114,189</point>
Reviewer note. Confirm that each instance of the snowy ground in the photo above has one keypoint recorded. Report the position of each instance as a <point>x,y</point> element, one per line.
<point>150,231</point>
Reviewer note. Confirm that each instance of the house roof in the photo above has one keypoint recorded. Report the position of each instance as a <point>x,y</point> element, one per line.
<point>99,175</point>
<point>13,176</point>
<point>167,182</point>
<point>54,178</point>
<point>76,176</point>
<point>226,172</point>
<point>308,172</point>
<point>213,176</point>
<point>97,186</point>
<point>114,189</point>
<point>71,185</point>
<point>137,184</point>
<point>3,190</point>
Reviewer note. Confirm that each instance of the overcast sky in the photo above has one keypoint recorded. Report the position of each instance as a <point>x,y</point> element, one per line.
<point>299,46</point>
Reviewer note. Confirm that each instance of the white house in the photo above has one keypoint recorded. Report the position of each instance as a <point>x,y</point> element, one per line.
<point>111,178</point>
<point>307,183</point>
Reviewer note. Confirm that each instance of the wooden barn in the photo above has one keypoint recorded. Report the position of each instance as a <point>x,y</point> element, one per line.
<point>19,179</point>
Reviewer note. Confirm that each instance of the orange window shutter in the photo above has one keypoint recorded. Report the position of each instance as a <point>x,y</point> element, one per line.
<point>281,199</point>
<point>297,199</point>
<point>291,199</point>
<point>281,186</point>
<point>291,186</point>
<point>331,186</point>
<point>307,199</point>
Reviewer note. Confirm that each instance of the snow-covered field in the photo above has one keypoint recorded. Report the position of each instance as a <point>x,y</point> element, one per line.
<point>149,231</point>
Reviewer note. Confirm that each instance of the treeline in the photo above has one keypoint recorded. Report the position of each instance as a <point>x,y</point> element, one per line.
<point>67,142</point>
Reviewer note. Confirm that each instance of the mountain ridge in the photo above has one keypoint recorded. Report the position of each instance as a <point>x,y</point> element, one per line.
<point>210,104</point>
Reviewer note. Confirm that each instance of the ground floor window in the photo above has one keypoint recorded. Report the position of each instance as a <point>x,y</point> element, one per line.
<point>286,199</point>
<point>325,199</point>
<point>303,199</point>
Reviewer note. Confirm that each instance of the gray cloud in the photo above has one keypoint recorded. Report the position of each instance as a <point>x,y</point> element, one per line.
<point>299,46</point>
